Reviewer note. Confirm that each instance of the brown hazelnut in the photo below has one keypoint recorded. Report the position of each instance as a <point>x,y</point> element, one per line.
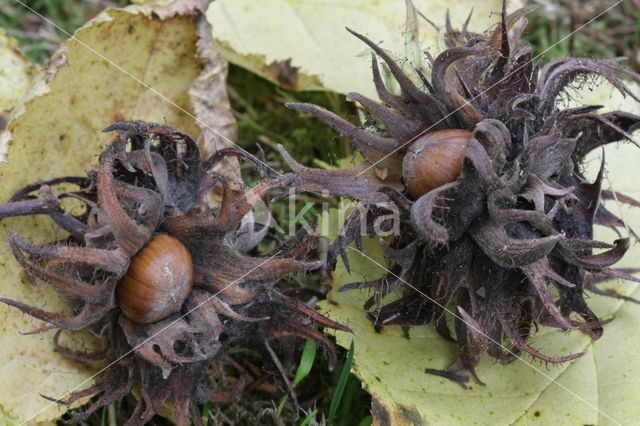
<point>434,159</point>
<point>157,282</point>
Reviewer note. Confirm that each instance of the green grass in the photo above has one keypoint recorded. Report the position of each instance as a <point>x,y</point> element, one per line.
<point>345,371</point>
<point>568,31</point>
<point>262,117</point>
<point>38,37</point>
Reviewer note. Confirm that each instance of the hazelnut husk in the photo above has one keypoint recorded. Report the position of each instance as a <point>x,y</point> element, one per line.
<point>173,284</point>
<point>501,237</point>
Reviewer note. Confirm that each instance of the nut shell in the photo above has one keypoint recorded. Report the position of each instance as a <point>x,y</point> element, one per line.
<point>434,160</point>
<point>158,281</point>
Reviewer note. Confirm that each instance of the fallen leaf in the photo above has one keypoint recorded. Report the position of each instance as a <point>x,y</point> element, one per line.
<point>210,101</point>
<point>15,72</point>
<point>126,64</point>
<point>303,44</point>
<point>599,388</point>
<point>164,9</point>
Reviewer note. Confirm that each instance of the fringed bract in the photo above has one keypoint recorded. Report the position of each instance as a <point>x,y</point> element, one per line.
<point>516,218</point>
<point>152,180</point>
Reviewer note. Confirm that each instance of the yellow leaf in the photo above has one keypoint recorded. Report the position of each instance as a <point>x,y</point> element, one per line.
<point>123,65</point>
<point>303,44</point>
<point>15,72</point>
<point>599,388</point>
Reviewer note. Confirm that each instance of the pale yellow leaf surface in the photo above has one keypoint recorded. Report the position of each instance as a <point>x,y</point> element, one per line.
<point>600,388</point>
<point>15,72</point>
<point>97,78</point>
<point>263,35</point>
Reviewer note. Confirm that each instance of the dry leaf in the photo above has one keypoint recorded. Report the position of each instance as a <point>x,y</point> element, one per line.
<point>15,72</point>
<point>164,9</point>
<point>210,102</point>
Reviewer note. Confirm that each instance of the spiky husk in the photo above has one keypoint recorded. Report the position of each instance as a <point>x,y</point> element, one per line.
<point>151,179</point>
<point>519,219</point>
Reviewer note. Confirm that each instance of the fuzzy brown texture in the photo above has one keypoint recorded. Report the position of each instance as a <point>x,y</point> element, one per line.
<point>151,180</point>
<point>518,220</point>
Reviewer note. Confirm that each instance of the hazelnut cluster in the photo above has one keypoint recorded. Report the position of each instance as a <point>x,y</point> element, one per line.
<point>167,279</point>
<point>496,225</point>
<point>496,216</point>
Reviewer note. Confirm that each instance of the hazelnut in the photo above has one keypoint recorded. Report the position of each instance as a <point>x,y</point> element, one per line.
<point>434,159</point>
<point>157,282</point>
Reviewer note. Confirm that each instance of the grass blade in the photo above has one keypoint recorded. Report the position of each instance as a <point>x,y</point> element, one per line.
<point>307,419</point>
<point>306,361</point>
<point>342,381</point>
